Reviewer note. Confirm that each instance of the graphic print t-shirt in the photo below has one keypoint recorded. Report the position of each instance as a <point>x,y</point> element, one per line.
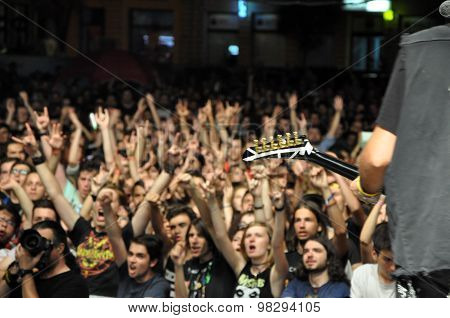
<point>253,286</point>
<point>211,279</point>
<point>96,259</point>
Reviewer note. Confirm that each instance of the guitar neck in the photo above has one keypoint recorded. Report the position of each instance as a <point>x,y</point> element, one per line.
<point>333,164</point>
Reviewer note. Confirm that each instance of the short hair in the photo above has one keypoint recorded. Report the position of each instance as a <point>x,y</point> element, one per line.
<point>23,162</point>
<point>180,209</point>
<point>380,238</point>
<point>89,165</point>
<point>5,160</point>
<point>59,236</point>
<point>154,246</point>
<point>45,204</point>
<point>15,215</point>
<point>138,183</point>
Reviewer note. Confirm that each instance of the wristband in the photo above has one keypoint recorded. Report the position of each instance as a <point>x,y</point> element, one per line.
<point>42,133</point>
<point>259,207</point>
<point>279,209</point>
<point>38,160</point>
<point>361,191</point>
<point>23,272</point>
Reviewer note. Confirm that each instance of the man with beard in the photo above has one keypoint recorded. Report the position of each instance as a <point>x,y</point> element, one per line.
<point>320,274</point>
<point>60,277</point>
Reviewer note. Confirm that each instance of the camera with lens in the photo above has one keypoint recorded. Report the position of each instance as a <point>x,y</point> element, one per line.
<point>34,243</point>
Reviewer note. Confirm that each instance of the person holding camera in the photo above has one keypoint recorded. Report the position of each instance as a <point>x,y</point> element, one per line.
<point>44,266</point>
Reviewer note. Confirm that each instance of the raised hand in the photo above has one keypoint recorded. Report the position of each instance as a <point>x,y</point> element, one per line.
<point>302,123</point>
<point>318,177</point>
<point>101,178</point>
<point>8,183</point>
<point>105,202</point>
<point>24,96</point>
<point>10,105</point>
<point>338,103</point>
<point>153,198</point>
<point>56,138</point>
<point>131,144</point>
<point>42,120</point>
<point>150,100</point>
<point>293,101</point>
<point>29,141</point>
<point>182,108</point>
<point>278,199</point>
<point>74,119</point>
<point>174,151</point>
<point>141,106</point>
<point>102,118</point>
<point>178,254</point>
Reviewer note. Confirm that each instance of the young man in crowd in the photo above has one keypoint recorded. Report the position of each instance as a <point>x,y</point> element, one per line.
<point>320,274</point>
<point>375,280</point>
<point>140,267</point>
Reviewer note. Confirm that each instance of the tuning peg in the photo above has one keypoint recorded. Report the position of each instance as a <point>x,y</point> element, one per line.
<point>273,144</point>
<point>290,142</point>
<point>281,142</point>
<point>264,146</point>
<point>256,145</point>
<point>297,141</point>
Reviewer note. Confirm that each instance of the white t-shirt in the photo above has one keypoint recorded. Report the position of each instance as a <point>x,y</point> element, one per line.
<point>367,284</point>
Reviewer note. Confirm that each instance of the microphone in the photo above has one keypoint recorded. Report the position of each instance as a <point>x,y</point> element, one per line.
<point>444,9</point>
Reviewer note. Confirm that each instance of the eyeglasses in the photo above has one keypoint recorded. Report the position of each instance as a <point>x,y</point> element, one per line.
<point>7,222</point>
<point>23,172</point>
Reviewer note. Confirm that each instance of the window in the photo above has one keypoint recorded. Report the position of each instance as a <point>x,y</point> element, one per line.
<point>151,34</point>
<point>366,53</point>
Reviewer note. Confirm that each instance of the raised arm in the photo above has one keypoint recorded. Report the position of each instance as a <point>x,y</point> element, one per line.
<point>102,118</point>
<point>63,207</point>
<point>319,180</point>
<point>11,109</point>
<point>338,105</point>
<point>365,237</point>
<point>178,255</point>
<point>280,271</point>
<point>25,202</point>
<point>75,145</point>
<point>220,235</point>
<point>151,104</point>
<point>113,230</point>
<point>293,101</point>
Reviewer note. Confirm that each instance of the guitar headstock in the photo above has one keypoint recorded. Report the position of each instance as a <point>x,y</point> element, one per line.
<point>288,146</point>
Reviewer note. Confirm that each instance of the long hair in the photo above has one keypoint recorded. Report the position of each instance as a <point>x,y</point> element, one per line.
<point>202,232</point>
<point>334,266</point>
<point>269,233</point>
<point>59,236</point>
<point>292,239</point>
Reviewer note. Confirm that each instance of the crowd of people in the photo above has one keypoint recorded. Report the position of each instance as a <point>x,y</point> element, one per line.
<point>122,194</point>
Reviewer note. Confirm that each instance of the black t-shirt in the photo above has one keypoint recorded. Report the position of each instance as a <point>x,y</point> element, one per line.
<point>66,285</point>
<point>96,259</point>
<point>212,279</point>
<point>416,108</point>
<point>253,286</point>
<point>294,259</point>
<point>156,287</point>
<point>169,275</point>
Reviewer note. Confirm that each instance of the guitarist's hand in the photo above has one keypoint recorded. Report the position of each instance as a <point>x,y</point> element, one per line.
<point>358,191</point>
